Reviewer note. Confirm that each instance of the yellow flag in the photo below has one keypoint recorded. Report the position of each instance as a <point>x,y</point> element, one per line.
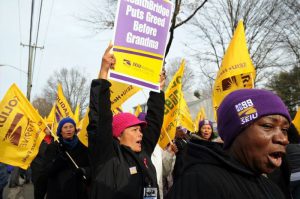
<point>138,110</point>
<point>185,118</point>
<point>200,116</point>
<point>63,108</point>
<point>197,119</point>
<point>51,121</point>
<point>120,92</point>
<point>203,114</point>
<point>117,110</point>
<point>82,132</point>
<point>172,103</point>
<point>21,129</point>
<point>77,114</point>
<point>296,120</point>
<point>51,117</point>
<point>236,71</point>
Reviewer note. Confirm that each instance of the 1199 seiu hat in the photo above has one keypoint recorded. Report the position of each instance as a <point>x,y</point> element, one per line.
<point>242,107</point>
<point>205,122</point>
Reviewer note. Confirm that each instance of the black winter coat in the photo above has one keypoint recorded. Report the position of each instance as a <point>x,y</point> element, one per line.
<point>209,173</point>
<point>39,176</point>
<point>64,181</point>
<point>111,162</point>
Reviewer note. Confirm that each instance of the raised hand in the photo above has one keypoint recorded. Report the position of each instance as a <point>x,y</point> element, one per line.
<point>162,79</point>
<point>108,62</point>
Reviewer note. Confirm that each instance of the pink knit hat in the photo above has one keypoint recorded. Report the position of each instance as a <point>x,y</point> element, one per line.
<point>122,121</point>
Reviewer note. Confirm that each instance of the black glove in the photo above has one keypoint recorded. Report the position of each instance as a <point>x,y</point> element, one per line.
<point>80,173</point>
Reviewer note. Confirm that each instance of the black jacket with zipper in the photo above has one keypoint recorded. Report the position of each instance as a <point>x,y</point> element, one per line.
<point>117,171</point>
<point>209,173</point>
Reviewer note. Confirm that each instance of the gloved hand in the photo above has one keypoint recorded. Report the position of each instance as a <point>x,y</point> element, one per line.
<point>80,173</point>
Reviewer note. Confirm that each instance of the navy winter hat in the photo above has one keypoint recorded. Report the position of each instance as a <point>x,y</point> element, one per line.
<point>242,107</point>
<point>63,122</point>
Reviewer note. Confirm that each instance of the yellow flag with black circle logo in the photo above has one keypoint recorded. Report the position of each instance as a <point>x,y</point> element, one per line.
<point>236,71</point>
<point>21,129</point>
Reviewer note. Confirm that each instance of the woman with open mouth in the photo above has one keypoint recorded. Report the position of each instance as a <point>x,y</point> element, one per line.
<point>121,146</point>
<point>205,131</point>
<point>253,124</point>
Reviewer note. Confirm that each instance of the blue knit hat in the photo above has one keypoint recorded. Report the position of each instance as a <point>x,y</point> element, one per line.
<point>242,107</point>
<point>63,122</point>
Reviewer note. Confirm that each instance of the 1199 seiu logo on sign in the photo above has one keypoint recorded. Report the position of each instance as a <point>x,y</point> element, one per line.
<point>127,62</point>
<point>246,111</point>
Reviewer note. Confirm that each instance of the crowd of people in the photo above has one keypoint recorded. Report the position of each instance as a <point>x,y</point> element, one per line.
<point>254,153</point>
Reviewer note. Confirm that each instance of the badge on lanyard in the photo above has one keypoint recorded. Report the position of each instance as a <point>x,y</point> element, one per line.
<point>132,170</point>
<point>150,193</point>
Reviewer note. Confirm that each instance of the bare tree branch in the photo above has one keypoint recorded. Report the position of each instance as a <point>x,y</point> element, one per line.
<point>263,20</point>
<point>75,88</point>
<point>191,16</point>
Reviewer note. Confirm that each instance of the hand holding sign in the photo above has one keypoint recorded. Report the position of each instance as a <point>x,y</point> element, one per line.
<point>108,62</point>
<point>162,79</point>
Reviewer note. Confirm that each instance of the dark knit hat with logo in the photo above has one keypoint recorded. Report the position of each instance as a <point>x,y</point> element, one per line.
<point>122,121</point>
<point>242,107</point>
<point>63,122</point>
<point>205,122</point>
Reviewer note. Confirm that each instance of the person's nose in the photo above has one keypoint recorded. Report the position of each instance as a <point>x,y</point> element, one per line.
<point>140,134</point>
<point>280,137</point>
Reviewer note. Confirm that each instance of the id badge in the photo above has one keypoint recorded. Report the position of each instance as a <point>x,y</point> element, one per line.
<point>150,193</point>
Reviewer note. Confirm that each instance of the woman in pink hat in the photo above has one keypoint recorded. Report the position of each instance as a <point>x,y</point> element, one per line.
<point>121,146</point>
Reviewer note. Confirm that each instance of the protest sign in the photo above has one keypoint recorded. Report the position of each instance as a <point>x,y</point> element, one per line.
<point>141,32</point>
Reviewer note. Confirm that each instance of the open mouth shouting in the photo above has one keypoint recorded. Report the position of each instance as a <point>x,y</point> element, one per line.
<point>139,142</point>
<point>275,158</point>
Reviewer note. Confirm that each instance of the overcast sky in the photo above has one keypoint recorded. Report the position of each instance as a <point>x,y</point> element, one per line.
<point>67,42</point>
